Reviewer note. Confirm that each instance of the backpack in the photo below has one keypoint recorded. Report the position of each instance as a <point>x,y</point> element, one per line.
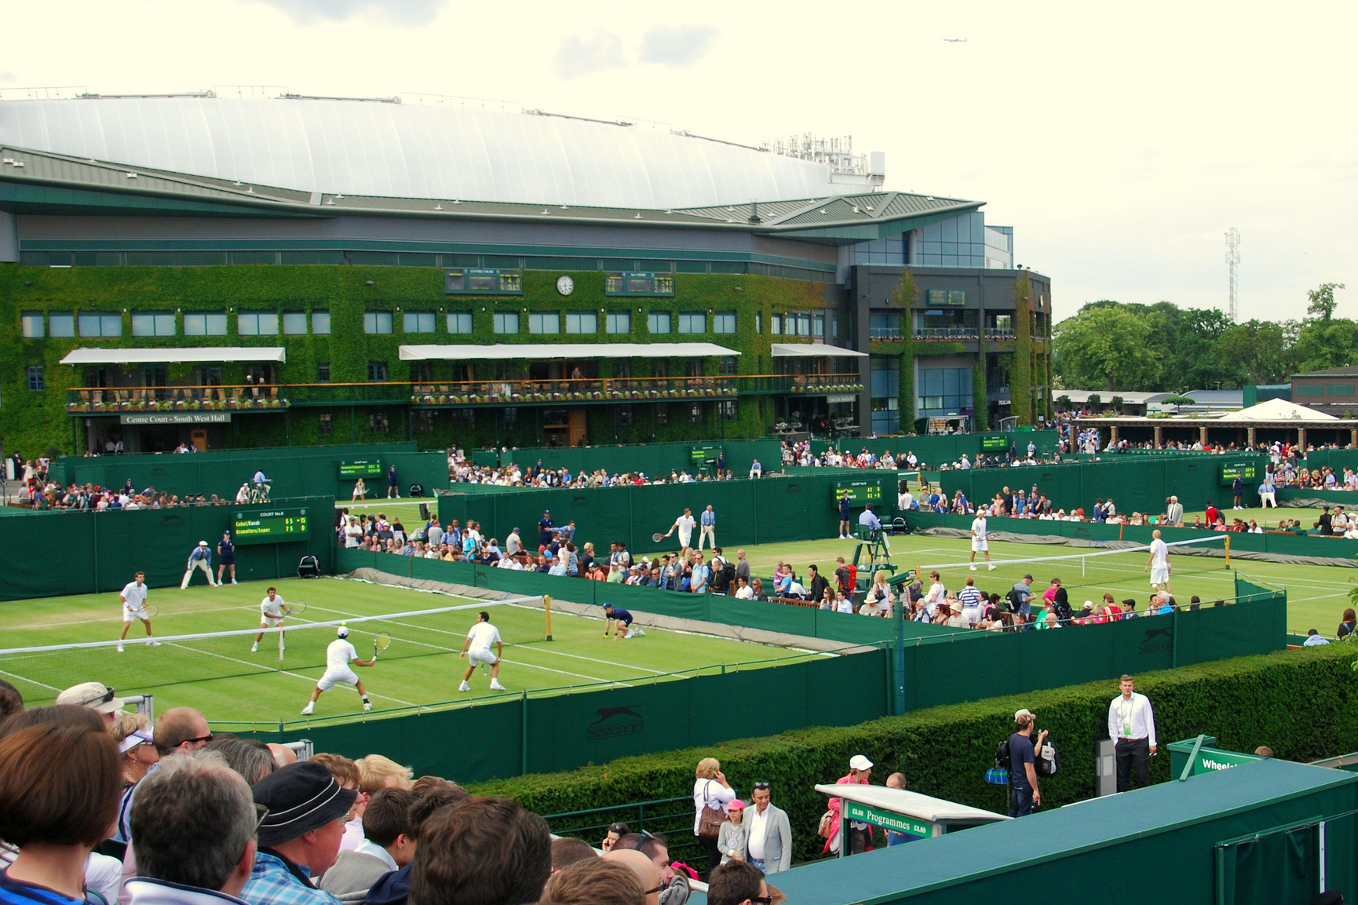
<point>1047,761</point>
<point>999,774</point>
<point>1015,601</point>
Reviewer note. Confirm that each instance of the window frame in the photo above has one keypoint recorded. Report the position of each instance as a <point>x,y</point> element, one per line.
<point>259,316</point>
<point>373,322</point>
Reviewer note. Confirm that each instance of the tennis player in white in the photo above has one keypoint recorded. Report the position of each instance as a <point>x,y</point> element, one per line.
<point>476,649</point>
<point>133,597</point>
<point>270,616</point>
<point>980,540</point>
<point>1158,563</point>
<point>338,655</point>
<point>684,524</point>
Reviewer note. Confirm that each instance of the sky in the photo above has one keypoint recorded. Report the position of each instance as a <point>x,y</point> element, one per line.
<point>1121,143</point>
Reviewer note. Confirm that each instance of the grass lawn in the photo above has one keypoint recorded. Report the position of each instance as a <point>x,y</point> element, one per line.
<point>1316,595</point>
<point>221,677</point>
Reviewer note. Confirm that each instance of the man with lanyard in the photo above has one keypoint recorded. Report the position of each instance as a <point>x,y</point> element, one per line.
<point>980,539</point>
<point>1131,723</point>
<point>708,530</point>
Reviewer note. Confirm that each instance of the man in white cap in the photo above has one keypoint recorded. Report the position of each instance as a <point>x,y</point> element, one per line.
<point>860,834</point>
<point>95,695</point>
<point>338,655</point>
<point>200,558</point>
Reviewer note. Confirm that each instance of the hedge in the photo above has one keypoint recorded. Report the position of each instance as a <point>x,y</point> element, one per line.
<point>1300,702</point>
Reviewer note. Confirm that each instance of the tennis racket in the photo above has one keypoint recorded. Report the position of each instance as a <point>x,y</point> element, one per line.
<point>381,643</point>
<point>296,608</point>
<point>151,610</point>
<point>658,537</point>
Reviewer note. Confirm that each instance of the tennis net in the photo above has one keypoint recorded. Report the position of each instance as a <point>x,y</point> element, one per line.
<point>40,673</point>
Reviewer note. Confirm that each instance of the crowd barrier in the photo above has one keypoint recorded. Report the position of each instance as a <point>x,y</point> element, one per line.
<point>934,450</point>
<point>292,471</point>
<point>653,459</point>
<point>94,552</point>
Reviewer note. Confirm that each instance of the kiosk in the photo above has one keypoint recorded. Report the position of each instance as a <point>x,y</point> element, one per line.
<point>902,811</point>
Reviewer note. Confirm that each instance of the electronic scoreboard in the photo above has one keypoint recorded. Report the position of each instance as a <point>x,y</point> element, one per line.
<point>269,526</point>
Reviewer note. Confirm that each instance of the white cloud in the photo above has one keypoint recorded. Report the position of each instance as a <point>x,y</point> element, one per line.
<point>680,45</point>
<point>579,55</point>
<point>402,12</point>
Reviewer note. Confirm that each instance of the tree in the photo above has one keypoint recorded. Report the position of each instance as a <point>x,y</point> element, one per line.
<point>1252,352</point>
<point>1322,301</point>
<point>1107,346</point>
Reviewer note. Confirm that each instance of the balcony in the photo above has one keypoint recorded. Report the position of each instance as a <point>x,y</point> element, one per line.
<point>946,334</point>
<point>887,333</point>
<point>1000,333</point>
<point>111,400</point>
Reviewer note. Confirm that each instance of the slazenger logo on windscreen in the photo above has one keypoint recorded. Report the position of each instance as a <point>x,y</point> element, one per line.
<point>1157,640</point>
<point>613,722</point>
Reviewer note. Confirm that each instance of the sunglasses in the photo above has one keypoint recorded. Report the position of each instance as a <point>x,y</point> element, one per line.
<point>762,900</point>
<point>660,888</point>
<point>261,814</point>
<point>761,785</point>
<point>100,699</point>
<point>202,738</point>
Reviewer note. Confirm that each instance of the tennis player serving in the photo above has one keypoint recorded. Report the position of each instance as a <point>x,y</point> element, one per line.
<point>338,655</point>
<point>476,649</point>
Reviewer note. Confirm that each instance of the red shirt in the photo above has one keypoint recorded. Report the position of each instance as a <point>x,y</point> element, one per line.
<point>1212,513</point>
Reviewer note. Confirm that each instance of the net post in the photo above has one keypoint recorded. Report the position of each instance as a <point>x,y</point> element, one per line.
<point>547,608</point>
<point>1228,551</point>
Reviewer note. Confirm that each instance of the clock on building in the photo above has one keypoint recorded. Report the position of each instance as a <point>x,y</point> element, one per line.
<point>565,285</point>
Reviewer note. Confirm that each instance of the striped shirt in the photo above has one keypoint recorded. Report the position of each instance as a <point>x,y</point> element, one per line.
<point>970,596</point>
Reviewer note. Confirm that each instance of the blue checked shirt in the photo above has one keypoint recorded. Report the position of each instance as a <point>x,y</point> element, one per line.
<point>271,883</point>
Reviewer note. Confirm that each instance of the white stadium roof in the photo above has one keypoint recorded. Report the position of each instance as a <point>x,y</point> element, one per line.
<point>371,148</point>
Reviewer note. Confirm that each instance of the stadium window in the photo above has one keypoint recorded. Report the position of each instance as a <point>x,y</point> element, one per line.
<point>507,416</point>
<point>459,322</point>
<point>728,409</point>
<point>323,372</point>
<point>818,326</point>
<point>776,324</point>
<point>320,323</point>
<point>464,419</point>
<point>294,323</point>
<point>34,327</point>
<point>658,322</point>
<point>324,425</point>
<point>622,414</point>
<point>153,323</point>
<point>582,322</point>
<point>418,322</point>
<point>377,372</point>
<point>790,324</point>
<point>727,366</point>
<point>692,322</point>
<point>205,324</point>
<point>804,325</point>
<point>60,324</point>
<point>695,412</point>
<point>662,413</point>
<point>377,322</point>
<point>547,323</point>
<point>724,322</point>
<point>619,322</point>
<point>506,322</point>
<point>257,323</point>
<point>35,378</point>
<point>101,325</point>
<point>424,421</point>
<point>759,323</point>
<point>377,423</point>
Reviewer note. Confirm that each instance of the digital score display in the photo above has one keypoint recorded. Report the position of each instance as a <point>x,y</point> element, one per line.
<point>361,468</point>
<point>861,492</point>
<point>994,443</point>
<point>1246,471</point>
<point>639,284</point>
<point>702,456</point>
<point>482,281</point>
<point>270,526</point>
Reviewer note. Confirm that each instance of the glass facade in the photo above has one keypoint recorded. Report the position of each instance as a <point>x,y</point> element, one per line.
<point>658,322</point>
<point>885,387</point>
<point>294,323</point>
<point>459,322</point>
<point>619,323</point>
<point>204,324</point>
<point>692,322</point>
<point>884,326</point>
<point>153,323</point>
<point>261,323</point>
<point>418,322</point>
<point>943,391</point>
<point>888,252</point>
<point>375,322</point>
<point>320,323</point>
<point>100,325</point>
<point>582,322</point>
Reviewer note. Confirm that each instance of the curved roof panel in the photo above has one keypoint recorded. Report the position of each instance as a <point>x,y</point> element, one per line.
<point>401,150</point>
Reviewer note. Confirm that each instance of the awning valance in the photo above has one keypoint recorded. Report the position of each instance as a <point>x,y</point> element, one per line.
<point>813,350</point>
<point>175,355</point>
<point>560,351</point>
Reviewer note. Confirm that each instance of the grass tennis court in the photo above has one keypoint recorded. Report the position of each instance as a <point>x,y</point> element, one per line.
<point>221,677</point>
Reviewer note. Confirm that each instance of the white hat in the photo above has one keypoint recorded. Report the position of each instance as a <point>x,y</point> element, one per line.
<point>342,631</point>
<point>859,762</point>
<point>1020,714</point>
<point>202,543</point>
<point>95,695</point>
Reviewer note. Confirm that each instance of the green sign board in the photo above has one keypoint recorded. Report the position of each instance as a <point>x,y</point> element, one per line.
<point>361,468</point>
<point>639,284</point>
<point>861,491</point>
<point>901,824</point>
<point>994,443</point>
<point>482,281</point>
<point>1246,471</point>
<point>270,526</point>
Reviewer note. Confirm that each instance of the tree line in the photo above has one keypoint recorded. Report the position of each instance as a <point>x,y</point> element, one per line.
<point>1162,347</point>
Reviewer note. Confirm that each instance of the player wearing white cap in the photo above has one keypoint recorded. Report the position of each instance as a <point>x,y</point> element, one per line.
<point>200,558</point>
<point>133,597</point>
<point>338,655</point>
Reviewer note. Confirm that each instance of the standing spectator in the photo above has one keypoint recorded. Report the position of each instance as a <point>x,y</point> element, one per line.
<point>194,822</point>
<point>59,788</point>
<point>1021,596</point>
<point>299,836</point>
<point>860,834</point>
<point>846,577</point>
<point>731,840</point>
<point>708,531</point>
<point>767,837</point>
<point>485,851</point>
<point>1023,790</point>
<point>742,566</point>
<point>711,792</point>
<point>545,526</point>
<point>737,883</point>
<point>1174,513</point>
<point>199,558</point>
<point>226,557</point>
<point>393,484</point>
<point>897,781</point>
<point>388,845</point>
<point>1131,723</point>
<point>845,515</point>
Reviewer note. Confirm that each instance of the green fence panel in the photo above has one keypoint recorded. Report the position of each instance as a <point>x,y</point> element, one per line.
<point>62,560</point>
<point>935,450</point>
<point>652,459</point>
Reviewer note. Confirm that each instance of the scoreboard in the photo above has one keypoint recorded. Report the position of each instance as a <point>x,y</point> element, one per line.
<point>861,492</point>
<point>702,456</point>
<point>361,468</point>
<point>1246,471</point>
<point>270,526</point>
<point>994,443</point>
<point>639,284</point>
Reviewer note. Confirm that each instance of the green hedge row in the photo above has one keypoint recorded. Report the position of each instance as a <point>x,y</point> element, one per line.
<point>1300,703</point>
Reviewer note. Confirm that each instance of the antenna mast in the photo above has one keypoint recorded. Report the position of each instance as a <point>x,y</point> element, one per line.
<point>1233,269</point>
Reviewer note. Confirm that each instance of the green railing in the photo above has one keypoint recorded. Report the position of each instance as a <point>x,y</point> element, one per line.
<point>671,816</point>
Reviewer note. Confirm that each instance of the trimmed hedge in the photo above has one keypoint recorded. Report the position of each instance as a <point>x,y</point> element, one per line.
<point>1300,703</point>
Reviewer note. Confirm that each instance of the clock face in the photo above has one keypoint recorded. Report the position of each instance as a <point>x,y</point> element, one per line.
<point>565,285</point>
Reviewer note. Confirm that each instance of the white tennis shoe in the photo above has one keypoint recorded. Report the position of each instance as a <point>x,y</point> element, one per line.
<point>496,686</point>
<point>306,711</point>
<point>464,687</point>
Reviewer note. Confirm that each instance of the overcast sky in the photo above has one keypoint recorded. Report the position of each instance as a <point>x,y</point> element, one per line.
<point>1120,142</point>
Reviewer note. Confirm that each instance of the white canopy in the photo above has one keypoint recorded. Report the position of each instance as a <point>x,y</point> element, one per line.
<point>816,350</point>
<point>174,356</point>
<point>1277,410</point>
<point>558,351</point>
<point>911,804</point>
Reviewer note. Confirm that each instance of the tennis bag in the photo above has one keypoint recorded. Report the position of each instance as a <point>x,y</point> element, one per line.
<point>999,774</point>
<point>1047,761</point>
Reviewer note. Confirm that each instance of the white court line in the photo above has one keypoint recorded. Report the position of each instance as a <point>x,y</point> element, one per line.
<point>162,614</point>
<point>28,680</point>
<point>295,675</point>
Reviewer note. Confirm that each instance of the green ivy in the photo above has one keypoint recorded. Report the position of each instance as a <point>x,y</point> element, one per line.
<point>1021,368</point>
<point>944,752</point>
<point>979,402</point>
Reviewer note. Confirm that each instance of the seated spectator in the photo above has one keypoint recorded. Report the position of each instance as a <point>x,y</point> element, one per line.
<point>181,730</point>
<point>97,697</point>
<point>642,867</point>
<point>567,851</point>
<point>431,795</point>
<point>11,701</point>
<point>485,850</point>
<point>346,774</point>
<point>250,758</point>
<point>757,587</point>
<point>299,836</point>
<point>595,881</point>
<point>737,883</point>
<point>388,845</point>
<point>136,748</point>
<point>194,822</point>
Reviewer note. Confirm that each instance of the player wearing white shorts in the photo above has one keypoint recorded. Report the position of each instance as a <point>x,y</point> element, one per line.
<point>133,597</point>
<point>1158,563</point>
<point>980,540</point>
<point>684,524</point>
<point>270,616</point>
<point>476,649</point>
<point>338,655</point>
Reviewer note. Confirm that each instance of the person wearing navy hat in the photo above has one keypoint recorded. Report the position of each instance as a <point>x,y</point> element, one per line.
<point>545,526</point>
<point>299,834</point>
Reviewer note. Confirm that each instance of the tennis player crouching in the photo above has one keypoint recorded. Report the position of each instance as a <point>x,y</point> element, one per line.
<point>476,649</point>
<point>338,655</point>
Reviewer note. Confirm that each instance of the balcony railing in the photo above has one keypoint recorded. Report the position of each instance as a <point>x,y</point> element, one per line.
<point>946,333</point>
<point>885,333</point>
<point>1000,333</point>
<point>577,391</point>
